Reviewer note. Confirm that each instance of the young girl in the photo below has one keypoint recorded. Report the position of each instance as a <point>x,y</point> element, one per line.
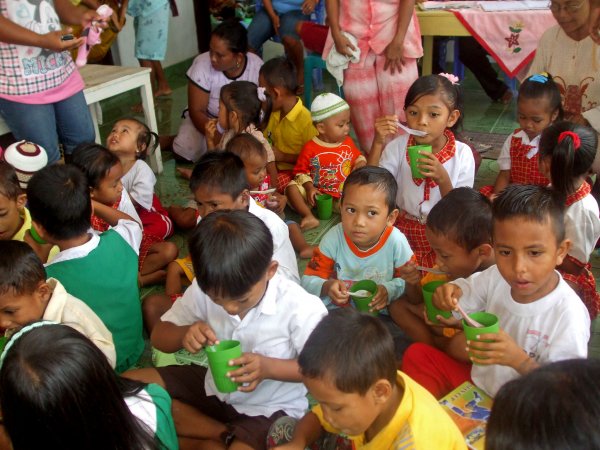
<point>433,105</point>
<point>51,373</point>
<point>567,152</point>
<point>538,106</point>
<point>130,140</point>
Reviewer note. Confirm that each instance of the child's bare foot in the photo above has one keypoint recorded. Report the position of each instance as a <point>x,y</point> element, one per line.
<point>184,172</point>
<point>163,92</point>
<point>306,252</point>
<point>309,222</point>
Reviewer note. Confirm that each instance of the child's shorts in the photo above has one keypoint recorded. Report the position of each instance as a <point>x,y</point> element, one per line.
<point>261,27</point>
<point>151,33</point>
<point>313,36</point>
<point>336,201</point>
<point>186,383</point>
<point>187,267</point>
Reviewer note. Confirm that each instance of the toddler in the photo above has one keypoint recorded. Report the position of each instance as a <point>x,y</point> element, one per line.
<point>237,294</point>
<point>538,106</point>
<point>326,160</point>
<point>541,318</point>
<point>26,296</point>
<point>433,106</point>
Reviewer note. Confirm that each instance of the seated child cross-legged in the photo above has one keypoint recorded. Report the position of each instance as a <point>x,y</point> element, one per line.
<point>236,295</point>
<point>326,160</point>
<point>364,246</point>
<point>348,366</point>
<point>459,230</point>
<point>541,318</point>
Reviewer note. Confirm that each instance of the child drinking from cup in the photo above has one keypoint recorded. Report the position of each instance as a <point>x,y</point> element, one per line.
<point>541,318</point>
<point>236,295</point>
<point>326,160</point>
<point>434,107</point>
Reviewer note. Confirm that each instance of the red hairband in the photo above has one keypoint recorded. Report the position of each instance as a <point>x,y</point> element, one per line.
<point>572,135</point>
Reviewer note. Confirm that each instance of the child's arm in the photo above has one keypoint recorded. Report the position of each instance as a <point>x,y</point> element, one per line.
<point>384,126</point>
<point>109,214</point>
<point>11,33</point>
<point>280,156</point>
<point>395,49</point>
<point>256,368</point>
<point>308,430</point>
<point>342,43</point>
<point>169,337</point>
<point>272,14</point>
<point>502,181</point>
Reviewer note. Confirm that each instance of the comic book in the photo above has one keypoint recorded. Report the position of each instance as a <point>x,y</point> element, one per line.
<point>469,407</point>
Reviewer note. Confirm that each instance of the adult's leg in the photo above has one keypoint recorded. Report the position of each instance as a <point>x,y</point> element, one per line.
<point>259,30</point>
<point>291,41</point>
<point>392,88</point>
<point>74,122</point>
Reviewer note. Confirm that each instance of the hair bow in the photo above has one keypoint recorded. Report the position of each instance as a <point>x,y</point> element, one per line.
<point>260,91</point>
<point>572,135</point>
<point>450,77</point>
<point>539,77</point>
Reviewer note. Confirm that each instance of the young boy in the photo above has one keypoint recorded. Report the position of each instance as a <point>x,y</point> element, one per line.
<point>14,216</point>
<point>26,296</point>
<point>366,245</point>
<point>326,160</point>
<point>101,270</point>
<point>236,294</point>
<point>541,318</point>
<point>348,366</point>
<point>459,230</point>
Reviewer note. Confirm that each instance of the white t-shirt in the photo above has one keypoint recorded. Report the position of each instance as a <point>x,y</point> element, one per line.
<point>582,227</point>
<point>460,168</point>
<point>126,206</point>
<point>504,162</point>
<point>552,328</point>
<point>139,181</point>
<point>277,326</point>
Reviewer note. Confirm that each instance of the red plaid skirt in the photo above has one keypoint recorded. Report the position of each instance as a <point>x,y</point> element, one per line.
<point>283,179</point>
<point>586,289</point>
<point>415,234</point>
<point>148,240</point>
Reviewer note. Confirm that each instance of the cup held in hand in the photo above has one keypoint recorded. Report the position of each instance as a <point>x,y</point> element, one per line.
<point>414,157</point>
<point>432,311</point>
<point>219,356</point>
<point>488,320</point>
<point>362,302</point>
<point>324,206</point>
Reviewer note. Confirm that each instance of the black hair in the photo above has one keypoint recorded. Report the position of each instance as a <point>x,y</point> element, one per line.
<point>242,97</point>
<point>230,251</point>
<point>234,34</point>
<point>281,73</point>
<point>437,84</point>
<point>244,145</point>
<point>147,141</point>
<point>57,390</point>
<point>534,203</point>
<point>9,182</point>
<point>553,407</point>
<point>351,349</point>
<point>222,170</point>
<point>542,85</point>
<point>568,163</point>
<point>95,161</point>
<point>464,215</point>
<point>380,178</point>
<point>59,199</point>
<point>21,271</point>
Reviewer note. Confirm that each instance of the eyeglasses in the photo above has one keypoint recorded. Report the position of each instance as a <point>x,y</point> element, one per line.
<point>570,7</point>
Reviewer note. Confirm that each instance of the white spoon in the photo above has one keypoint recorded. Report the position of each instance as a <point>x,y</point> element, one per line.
<point>431,270</point>
<point>471,322</point>
<point>266,192</point>
<point>361,293</point>
<point>411,131</point>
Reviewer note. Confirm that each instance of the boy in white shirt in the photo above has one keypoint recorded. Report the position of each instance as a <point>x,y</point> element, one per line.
<point>541,318</point>
<point>237,294</point>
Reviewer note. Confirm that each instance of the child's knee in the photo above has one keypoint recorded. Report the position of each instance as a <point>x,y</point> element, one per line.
<point>174,269</point>
<point>170,251</point>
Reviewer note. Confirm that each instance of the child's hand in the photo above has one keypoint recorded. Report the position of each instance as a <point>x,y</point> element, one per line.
<point>410,274</point>
<point>311,195</point>
<point>394,59</point>
<point>199,335</point>
<point>446,296</point>
<point>90,16</point>
<point>503,350</point>
<point>211,133</point>
<point>53,41</point>
<point>338,292</point>
<point>252,372</point>
<point>308,6</point>
<point>380,299</point>
<point>432,168</point>
<point>385,126</point>
<point>275,22</point>
<point>276,202</point>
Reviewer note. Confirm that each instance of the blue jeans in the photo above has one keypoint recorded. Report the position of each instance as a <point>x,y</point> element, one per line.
<point>261,27</point>
<point>68,121</point>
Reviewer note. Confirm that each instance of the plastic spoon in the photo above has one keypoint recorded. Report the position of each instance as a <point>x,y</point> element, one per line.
<point>471,322</point>
<point>361,293</point>
<point>411,131</point>
<point>266,192</point>
<point>431,270</point>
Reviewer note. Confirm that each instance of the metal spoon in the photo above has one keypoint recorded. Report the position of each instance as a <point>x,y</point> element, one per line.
<point>411,131</point>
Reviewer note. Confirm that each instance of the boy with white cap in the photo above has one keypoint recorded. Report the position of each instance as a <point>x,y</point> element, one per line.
<point>326,160</point>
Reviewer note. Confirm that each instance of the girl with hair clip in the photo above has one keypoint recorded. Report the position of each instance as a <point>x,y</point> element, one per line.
<point>567,153</point>
<point>131,140</point>
<point>434,108</point>
<point>538,106</point>
<point>51,373</point>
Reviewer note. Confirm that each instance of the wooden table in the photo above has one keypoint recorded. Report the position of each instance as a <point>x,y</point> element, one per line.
<point>102,82</point>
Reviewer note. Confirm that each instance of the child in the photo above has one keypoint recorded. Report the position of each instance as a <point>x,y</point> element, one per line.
<point>564,398</point>
<point>389,40</point>
<point>131,141</point>
<point>290,124</point>
<point>236,295</point>
<point>433,105</point>
<point>51,373</point>
<point>459,229</point>
<point>326,160</point>
<point>104,172</point>
<point>348,366</point>
<point>364,246</point>
<point>538,106</point>
<point>26,296</point>
<point>101,270</point>
<point>541,318</point>
<point>567,153</point>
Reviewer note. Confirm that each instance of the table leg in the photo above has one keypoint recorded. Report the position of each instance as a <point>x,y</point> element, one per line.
<point>94,113</point>
<point>427,55</point>
<point>150,114</point>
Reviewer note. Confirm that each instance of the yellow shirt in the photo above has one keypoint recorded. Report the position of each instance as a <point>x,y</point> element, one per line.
<point>20,235</point>
<point>420,423</point>
<point>290,133</point>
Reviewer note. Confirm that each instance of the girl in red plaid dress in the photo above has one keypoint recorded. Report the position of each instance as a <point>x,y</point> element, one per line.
<point>567,152</point>
<point>538,106</point>
<point>433,105</point>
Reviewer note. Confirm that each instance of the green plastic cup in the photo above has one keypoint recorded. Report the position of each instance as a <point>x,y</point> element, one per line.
<point>362,303</point>
<point>219,356</point>
<point>324,206</point>
<point>432,311</point>
<point>488,320</point>
<point>414,157</point>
